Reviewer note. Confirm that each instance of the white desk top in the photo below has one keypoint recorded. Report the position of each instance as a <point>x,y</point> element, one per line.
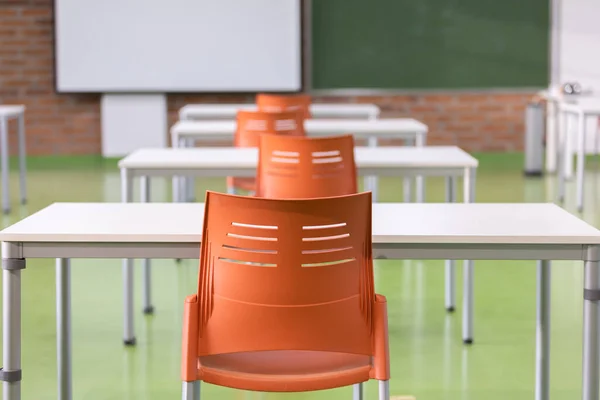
<point>247,158</point>
<point>389,126</point>
<point>205,111</point>
<point>585,104</point>
<point>394,223</point>
<point>11,111</point>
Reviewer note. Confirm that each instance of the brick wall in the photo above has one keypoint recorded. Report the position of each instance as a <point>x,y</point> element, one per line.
<point>70,124</point>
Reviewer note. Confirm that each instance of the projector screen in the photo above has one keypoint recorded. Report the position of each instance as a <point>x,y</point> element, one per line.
<point>132,46</point>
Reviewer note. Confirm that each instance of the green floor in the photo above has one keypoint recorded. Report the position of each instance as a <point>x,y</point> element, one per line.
<point>429,360</point>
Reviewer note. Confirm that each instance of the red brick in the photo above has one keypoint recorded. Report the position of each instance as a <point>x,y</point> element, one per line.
<point>7,13</point>
<point>460,127</point>
<point>471,117</point>
<point>495,127</point>
<point>424,108</point>
<point>440,98</point>
<point>35,12</point>
<point>474,98</point>
<point>494,107</point>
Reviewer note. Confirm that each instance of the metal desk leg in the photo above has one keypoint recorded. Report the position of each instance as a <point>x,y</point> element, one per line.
<point>371,181</point>
<point>146,271</point>
<point>450,270</point>
<point>561,155</point>
<point>468,274</point>
<point>542,333</point>
<point>190,181</point>
<point>591,322</point>
<point>580,159</point>
<point>568,147</point>
<point>4,161</point>
<point>408,189</point>
<point>420,181</point>
<point>63,328</point>
<point>182,179</point>
<point>408,197</point>
<point>11,374</point>
<point>127,268</point>
<point>22,159</point>
<point>551,136</point>
<point>176,185</point>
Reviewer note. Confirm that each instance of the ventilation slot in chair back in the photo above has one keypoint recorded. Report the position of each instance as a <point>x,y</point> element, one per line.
<point>306,167</point>
<point>272,102</point>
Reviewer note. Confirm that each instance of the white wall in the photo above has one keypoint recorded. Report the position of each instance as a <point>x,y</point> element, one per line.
<point>578,49</point>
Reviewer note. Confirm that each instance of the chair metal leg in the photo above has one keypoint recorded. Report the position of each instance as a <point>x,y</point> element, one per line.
<point>384,390</point>
<point>190,390</point>
<point>358,391</point>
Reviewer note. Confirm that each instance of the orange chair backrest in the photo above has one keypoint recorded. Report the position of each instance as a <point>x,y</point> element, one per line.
<point>302,167</point>
<point>286,275</point>
<point>252,124</point>
<point>275,102</point>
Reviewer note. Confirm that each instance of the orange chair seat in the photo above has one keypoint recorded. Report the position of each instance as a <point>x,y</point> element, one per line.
<point>284,371</point>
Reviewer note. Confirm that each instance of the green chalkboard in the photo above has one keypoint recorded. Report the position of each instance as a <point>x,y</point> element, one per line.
<point>430,44</point>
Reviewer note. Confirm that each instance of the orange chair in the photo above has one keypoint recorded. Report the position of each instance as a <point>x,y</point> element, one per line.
<point>302,167</point>
<point>274,102</point>
<point>251,125</point>
<point>285,299</point>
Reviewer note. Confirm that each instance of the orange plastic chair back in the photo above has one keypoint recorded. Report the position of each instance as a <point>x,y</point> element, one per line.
<point>286,275</point>
<point>301,167</point>
<point>281,277</point>
<point>252,124</point>
<point>274,102</point>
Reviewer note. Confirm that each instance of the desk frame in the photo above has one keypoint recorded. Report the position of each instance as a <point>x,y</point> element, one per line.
<point>15,255</point>
<point>567,110</point>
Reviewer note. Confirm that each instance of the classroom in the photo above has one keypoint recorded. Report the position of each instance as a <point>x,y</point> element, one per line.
<point>300,199</point>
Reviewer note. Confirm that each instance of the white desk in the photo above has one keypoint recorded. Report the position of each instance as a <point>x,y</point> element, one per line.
<point>447,161</point>
<point>6,113</point>
<point>229,111</point>
<point>390,128</point>
<point>581,108</point>
<point>242,162</point>
<point>400,231</point>
<point>185,133</point>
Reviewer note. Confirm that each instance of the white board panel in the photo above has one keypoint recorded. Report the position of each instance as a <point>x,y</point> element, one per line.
<point>131,121</point>
<point>177,45</point>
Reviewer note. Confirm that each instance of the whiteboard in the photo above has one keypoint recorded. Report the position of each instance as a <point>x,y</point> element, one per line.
<point>177,45</point>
